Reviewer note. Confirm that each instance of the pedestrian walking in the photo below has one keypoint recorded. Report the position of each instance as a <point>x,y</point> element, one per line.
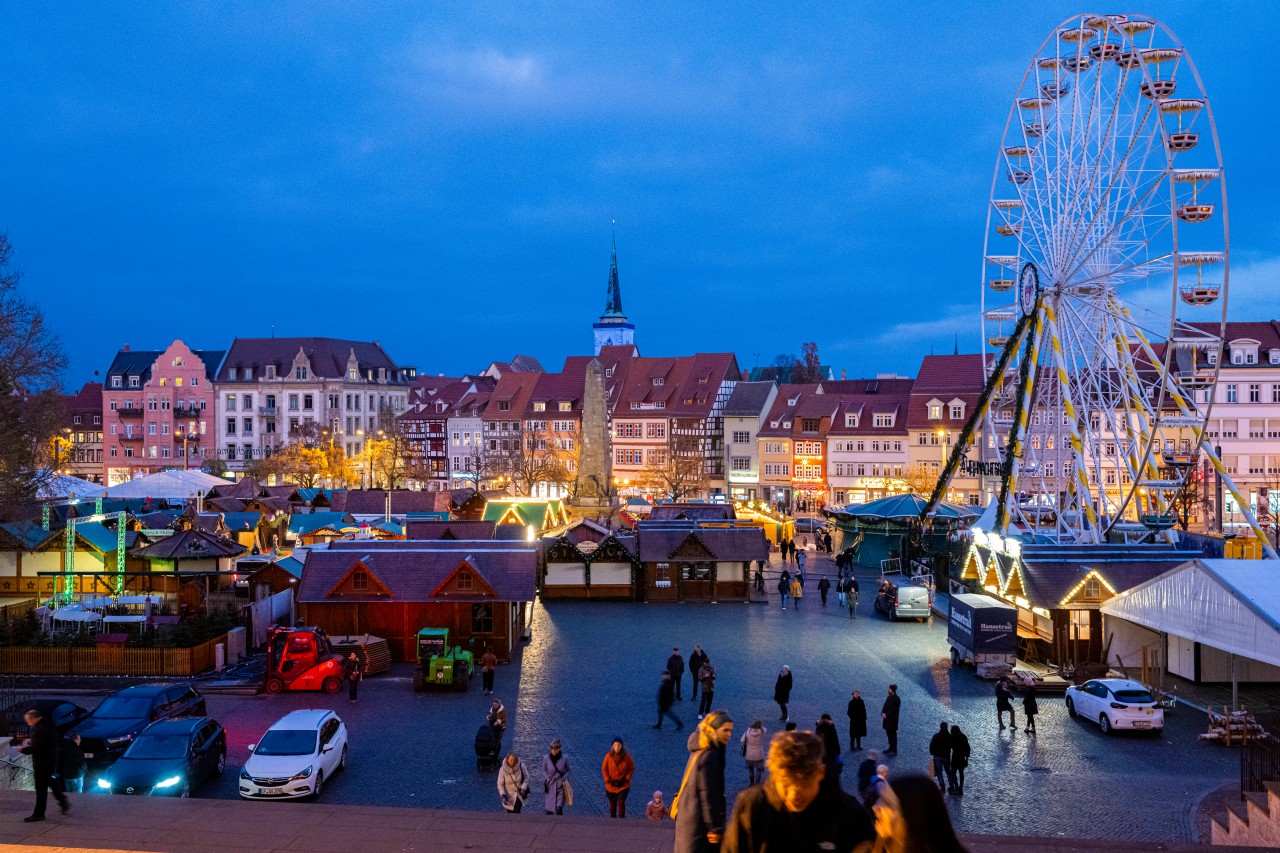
<point>940,756</point>
<point>71,765</point>
<point>43,749</point>
<point>796,809</point>
<point>823,586</point>
<point>784,588</point>
<point>753,752</point>
<point>797,591</point>
<point>853,597</point>
<point>867,772</point>
<point>497,720</point>
<point>759,578</point>
<point>666,697</point>
<point>825,728</point>
<point>707,681</point>
<point>826,540</point>
<point>801,558</point>
<point>1029,705</point>
<point>556,790</point>
<point>353,674</point>
<point>782,691</point>
<point>675,666</point>
<point>1004,702</point>
<point>879,793</point>
<point>699,806</point>
<point>488,666</point>
<point>617,768</point>
<point>857,712</point>
<point>841,587</point>
<point>889,716</point>
<point>656,809</point>
<point>786,549</point>
<point>695,664</point>
<point>959,759</point>
<point>513,783</point>
<point>914,817</point>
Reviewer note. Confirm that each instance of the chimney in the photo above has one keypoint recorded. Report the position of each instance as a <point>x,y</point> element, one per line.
<point>842,374</point>
<point>126,348</point>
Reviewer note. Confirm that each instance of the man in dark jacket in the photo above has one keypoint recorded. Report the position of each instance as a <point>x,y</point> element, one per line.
<point>666,695</point>
<point>857,712</point>
<point>695,663</point>
<point>71,764</point>
<point>675,666</point>
<point>959,759</point>
<point>43,749</point>
<point>889,717</point>
<point>823,586</point>
<point>699,807</point>
<point>793,810</point>
<point>940,752</point>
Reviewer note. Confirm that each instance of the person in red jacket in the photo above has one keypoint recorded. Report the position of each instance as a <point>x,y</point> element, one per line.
<point>617,768</point>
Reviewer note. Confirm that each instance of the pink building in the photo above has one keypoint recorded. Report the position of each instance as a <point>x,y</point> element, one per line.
<point>157,411</point>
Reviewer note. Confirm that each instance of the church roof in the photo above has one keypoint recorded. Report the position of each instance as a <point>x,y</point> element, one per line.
<point>613,300</point>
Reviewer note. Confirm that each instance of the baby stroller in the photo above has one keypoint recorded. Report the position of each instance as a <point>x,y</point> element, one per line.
<point>488,748</point>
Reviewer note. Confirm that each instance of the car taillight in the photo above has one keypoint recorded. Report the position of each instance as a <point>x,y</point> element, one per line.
<point>895,602</point>
<point>1118,705</point>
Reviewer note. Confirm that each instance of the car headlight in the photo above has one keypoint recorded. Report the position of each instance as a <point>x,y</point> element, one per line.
<point>104,783</point>
<point>244,773</point>
<point>169,783</point>
<point>118,741</point>
<point>304,774</point>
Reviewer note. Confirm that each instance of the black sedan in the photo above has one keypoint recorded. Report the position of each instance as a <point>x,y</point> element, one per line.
<point>106,734</point>
<point>64,714</point>
<point>168,759</point>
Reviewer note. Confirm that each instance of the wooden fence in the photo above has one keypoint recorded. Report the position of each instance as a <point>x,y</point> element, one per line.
<point>17,609</point>
<point>106,660</point>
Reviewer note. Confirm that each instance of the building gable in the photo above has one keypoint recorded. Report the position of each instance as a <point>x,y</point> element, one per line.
<point>359,580</point>
<point>692,548</point>
<point>464,580</point>
<point>1091,591</point>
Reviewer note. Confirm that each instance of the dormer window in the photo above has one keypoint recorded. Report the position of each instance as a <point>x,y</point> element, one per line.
<point>1273,357</point>
<point>608,372</point>
<point>539,406</point>
<point>793,401</point>
<point>1213,356</point>
<point>466,581</point>
<point>115,381</point>
<point>851,420</point>
<point>360,582</point>
<point>786,424</point>
<point>566,406</point>
<point>504,406</point>
<point>353,374</point>
<point>957,410</point>
<point>1237,356</point>
<point>135,382</point>
<point>773,424</point>
<point>884,419</point>
<point>248,373</point>
<point>659,380</point>
<point>271,371</point>
<point>935,411</point>
<point>299,373</point>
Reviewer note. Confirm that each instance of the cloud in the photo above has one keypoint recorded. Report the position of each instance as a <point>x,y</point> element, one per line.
<point>1253,287</point>
<point>955,320</point>
<point>487,68</point>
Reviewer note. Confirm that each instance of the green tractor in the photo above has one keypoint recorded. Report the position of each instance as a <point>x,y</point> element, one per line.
<point>441,665</point>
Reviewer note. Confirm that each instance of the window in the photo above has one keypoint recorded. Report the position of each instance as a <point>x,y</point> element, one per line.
<point>1255,393</point>
<point>231,427</point>
<point>860,446</point>
<point>957,411</point>
<point>504,405</point>
<point>740,463</point>
<point>659,380</point>
<point>539,406</point>
<point>360,582</point>
<point>1231,393</point>
<point>809,424</point>
<point>1092,589</point>
<point>1273,356</point>
<point>466,580</point>
<point>481,619</point>
<point>308,402</point>
<point>97,419</point>
<point>246,428</point>
<point>739,437</point>
<point>151,428</point>
<point>293,402</point>
<point>299,373</point>
<point>1213,356</point>
<point>1275,393</point>
<point>884,420</point>
<point>231,402</point>
<point>851,420</point>
<point>115,381</point>
<point>654,431</point>
<point>231,373</point>
<point>935,411</point>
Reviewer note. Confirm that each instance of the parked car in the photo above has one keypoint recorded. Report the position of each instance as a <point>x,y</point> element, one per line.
<point>1115,703</point>
<point>903,602</point>
<point>107,733</point>
<point>168,759</point>
<point>64,714</point>
<point>809,525</point>
<point>295,756</point>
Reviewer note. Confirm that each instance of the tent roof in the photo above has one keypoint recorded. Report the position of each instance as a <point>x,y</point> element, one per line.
<point>1232,605</point>
<point>167,485</point>
<point>64,486</point>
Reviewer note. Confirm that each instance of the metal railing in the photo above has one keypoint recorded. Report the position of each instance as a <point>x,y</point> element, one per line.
<point>1259,764</point>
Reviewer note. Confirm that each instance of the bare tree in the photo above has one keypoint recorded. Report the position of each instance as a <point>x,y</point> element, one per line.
<point>812,362</point>
<point>31,361</point>
<point>680,472</point>
<point>389,452</point>
<point>1191,500</point>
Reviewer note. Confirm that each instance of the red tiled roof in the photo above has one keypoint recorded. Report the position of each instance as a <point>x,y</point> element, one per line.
<point>946,378</point>
<point>783,410</point>
<point>412,571</point>
<point>515,390</point>
<point>865,397</point>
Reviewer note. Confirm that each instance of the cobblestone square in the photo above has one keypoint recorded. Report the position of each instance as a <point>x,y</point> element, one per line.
<point>591,670</point>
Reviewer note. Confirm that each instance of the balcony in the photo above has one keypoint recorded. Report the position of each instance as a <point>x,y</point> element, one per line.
<point>129,412</point>
<point>186,412</point>
<point>269,411</point>
<point>136,436</point>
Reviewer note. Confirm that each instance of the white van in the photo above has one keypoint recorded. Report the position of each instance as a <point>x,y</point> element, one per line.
<point>903,602</point>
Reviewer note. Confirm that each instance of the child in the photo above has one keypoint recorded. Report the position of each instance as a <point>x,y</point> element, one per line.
<point>657,809</point>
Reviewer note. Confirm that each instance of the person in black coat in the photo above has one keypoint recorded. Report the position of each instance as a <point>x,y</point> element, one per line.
<point>695,663</point>
<point>43,749</point>
<point>823,586</point>
<point>1029,705</point>
<point>675,666</point>
<point>71,764</point>
<point>666,695</point>
<point>889,717</point>
<point>940,752</point>
<point>782,691</point>
<point>699,807</point>
<point>959,759</point>
<point>857,722</point>
<point>1004,702</point>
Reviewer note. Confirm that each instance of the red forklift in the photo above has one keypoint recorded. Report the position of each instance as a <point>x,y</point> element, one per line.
<point>302,659</point>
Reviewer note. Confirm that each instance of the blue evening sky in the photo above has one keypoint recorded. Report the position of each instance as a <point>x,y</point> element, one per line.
<point>441,176</point>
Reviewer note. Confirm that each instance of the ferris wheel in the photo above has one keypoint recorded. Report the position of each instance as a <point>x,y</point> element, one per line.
<point>1104,284</point>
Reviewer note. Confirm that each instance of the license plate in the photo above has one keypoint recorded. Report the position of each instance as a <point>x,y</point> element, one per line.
<point>1142,724</point>
<point>88,755</point>
<point>271,792</point>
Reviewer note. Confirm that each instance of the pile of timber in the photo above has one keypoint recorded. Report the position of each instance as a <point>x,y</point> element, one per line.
<point>371,651</point>
<point>1234,727</point>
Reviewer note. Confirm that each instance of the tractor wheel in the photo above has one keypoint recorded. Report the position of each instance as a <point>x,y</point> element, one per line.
<point>419,682</point>
<point>460,679</point>
<point>331,684</point>
<point>275,685</point>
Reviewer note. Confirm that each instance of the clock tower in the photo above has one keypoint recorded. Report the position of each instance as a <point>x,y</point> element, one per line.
<point>613,328</point>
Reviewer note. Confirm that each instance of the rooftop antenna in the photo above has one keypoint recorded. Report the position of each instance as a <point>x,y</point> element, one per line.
<point>957,351</point>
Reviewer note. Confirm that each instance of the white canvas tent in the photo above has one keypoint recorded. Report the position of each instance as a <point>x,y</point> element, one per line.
<point>1219,619</point>
<point>64,486</point>
<point>168,485</point>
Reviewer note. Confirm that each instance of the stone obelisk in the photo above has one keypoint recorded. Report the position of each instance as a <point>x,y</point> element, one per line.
<point>594,493</point>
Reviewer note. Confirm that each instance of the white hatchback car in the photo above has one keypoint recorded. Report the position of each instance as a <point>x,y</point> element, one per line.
<point>295,756</point>
<point>1115,703</point>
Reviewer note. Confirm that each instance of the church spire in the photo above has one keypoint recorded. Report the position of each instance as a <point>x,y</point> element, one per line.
<point>613,300</point>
